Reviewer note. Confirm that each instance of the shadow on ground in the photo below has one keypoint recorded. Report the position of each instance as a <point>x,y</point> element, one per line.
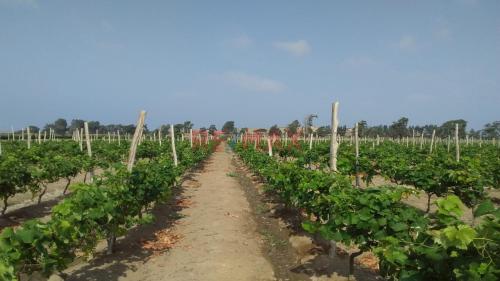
<point>129,254</point>
<point>308,257</point>
<point>32,211</point>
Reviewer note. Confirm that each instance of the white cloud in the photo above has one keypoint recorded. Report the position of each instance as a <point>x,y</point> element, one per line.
<point>106,26</point>
<point>241,42</point>
<point>468,2</point>
<point>357,62</point>
<point>407,43</point>
<point>21,3</point>
<point>297,48</point>
<point>252,83</point>
<point>442,33</point>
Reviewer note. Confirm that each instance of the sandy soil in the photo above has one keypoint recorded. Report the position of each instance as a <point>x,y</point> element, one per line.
<point>295,254</point>
<point>218,236</point>
<point>218,225</point>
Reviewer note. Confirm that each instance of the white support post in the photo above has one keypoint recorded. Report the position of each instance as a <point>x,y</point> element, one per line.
<point>334,142</point>
<point>422,140</point>
<point>79,132</point>
<point>457,144</point>
<point>191,137</point>
<point>172,138</point>
<point>413,138</point>
<point>89,148</point>
<point>432,140</point>
<point>356,143</point>
<point>135,140</point>
<point>269,147</point>
<point>28,135</point>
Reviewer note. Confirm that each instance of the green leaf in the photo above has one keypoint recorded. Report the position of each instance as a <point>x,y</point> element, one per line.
<point>309,226</point>
<point>459,237</point>
<point>486,207</point>
<point>398,226</point>
<point>450,205</point>
<point>26,235</point>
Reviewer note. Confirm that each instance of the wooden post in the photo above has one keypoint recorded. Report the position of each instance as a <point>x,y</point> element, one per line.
<point>432,140</point>
<point>413,137</point>
<point>89,148</point>
<point>422,140</point>
<point>80,138</point>
<point>356,143</point>
<point>191,137</point>
<point>28,135</point>
<point>334,143</point>
<point>172,137</point>
<point>269,147</point>
<point>457,145</point>
<point>135,140</point>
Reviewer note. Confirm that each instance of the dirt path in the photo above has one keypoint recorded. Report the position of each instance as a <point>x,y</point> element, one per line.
<point>219,240</point>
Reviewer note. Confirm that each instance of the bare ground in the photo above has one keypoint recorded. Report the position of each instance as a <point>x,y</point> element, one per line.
<point>219,225</point>
<point>218,236</point>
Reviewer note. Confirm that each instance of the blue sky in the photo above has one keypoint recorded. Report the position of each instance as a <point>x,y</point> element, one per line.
<point>258,63</point>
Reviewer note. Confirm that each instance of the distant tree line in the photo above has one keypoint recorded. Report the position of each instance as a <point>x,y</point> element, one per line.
<point>398,128</point>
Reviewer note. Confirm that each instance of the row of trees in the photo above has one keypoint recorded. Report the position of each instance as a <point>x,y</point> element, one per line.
<point>398,129</point>
<point>401,129</point>
<point>62,128</point>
